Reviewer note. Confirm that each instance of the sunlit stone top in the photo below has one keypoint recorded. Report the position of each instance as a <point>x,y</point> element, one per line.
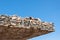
<point>27,22</point>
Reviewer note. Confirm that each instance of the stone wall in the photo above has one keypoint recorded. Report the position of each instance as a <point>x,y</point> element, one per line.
<point>16,28</point>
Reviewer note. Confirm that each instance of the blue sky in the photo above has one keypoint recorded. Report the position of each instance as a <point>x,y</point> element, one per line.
<point>47,10</point>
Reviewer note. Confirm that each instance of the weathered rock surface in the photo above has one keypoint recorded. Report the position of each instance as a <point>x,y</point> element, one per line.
<point>15,33</point>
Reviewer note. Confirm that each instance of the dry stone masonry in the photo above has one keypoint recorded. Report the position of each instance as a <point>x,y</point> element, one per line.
<point>17,28</point>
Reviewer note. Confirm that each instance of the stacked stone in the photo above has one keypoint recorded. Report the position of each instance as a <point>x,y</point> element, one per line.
<point>15,21</point>
<point>17,28</point>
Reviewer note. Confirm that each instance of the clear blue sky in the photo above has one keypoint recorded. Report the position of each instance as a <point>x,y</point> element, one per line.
<point>47,10</point>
